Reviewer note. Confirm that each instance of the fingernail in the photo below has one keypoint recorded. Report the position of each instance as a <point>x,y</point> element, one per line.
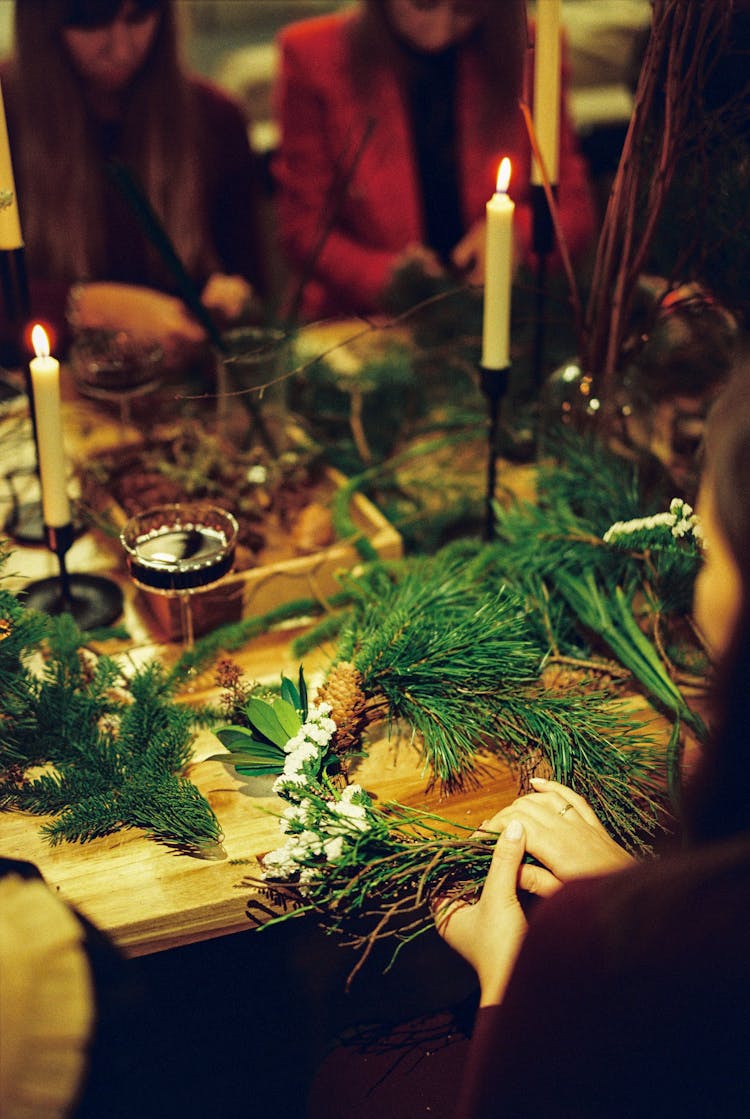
<point>514,830</point>
<point>538,780</point>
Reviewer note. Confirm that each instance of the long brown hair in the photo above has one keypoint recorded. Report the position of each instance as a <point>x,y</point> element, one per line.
<point>500,41</point>
<point>60,170</point>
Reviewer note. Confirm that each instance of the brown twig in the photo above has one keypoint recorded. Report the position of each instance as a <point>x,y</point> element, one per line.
<point>607,667</point>
<point>683,32</point>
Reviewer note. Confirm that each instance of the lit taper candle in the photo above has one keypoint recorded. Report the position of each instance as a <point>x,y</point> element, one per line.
<point>498,274</point>
<point>45,379</point>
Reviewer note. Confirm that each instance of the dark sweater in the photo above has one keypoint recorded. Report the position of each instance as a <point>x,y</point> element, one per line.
<point>630,999</point>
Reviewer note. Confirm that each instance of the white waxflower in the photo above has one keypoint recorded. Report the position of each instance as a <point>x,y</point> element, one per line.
<point>289,783</point>
<point>296,761</point>
<point>680,520</point>
<point>320,709</point>
<point>280,863</point>
<point>333,848</point>
<point>294,742</point>
<point>295,814</point>
<point>318,735</point>
<point>345,818</point>
<point>310,842</point>
<point>680,508</point>
<point>357,813</point>
<point>350,791</point>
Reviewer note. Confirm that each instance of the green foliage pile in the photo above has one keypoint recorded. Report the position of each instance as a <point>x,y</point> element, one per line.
<point>80,747</point>
<point>456,645</point>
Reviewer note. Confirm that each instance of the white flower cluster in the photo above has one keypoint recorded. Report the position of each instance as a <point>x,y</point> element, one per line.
<point>305,751</point>
<point>320,829</point>
<point>680,520</point>
<point>315,826</point>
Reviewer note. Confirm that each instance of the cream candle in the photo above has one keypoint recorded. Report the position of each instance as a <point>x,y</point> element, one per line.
<point>10,222</point>
<point>547,90</point>
<point>498,274</point>
<point>45,380</point>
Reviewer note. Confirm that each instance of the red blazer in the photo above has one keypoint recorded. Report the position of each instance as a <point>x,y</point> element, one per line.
<point>323,120</point>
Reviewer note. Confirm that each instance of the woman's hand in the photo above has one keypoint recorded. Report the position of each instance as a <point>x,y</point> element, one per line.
<point>489,933</point>
<point>228,297</point>
<point>564,833</point>
<point>468,256</point>
<point>146,314</point>
<point>416,258</point>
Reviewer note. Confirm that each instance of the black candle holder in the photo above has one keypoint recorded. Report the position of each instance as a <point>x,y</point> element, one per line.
<point>93,601</point>
<point>494,385</point>
<point>542,244</point>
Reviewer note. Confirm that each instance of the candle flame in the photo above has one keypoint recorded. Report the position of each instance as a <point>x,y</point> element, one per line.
<point>503,175</point>
<point>40,341</point>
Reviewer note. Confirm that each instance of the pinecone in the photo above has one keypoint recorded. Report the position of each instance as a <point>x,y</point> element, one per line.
<point>533,765</point>
<point>344,691</point>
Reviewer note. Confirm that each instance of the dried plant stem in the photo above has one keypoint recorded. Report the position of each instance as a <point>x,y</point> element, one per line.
<point>683,33</point>
<point>610,668</point>
<point>357,427</point>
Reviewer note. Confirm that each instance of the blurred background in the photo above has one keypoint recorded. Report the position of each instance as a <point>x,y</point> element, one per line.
<point>232,41</point>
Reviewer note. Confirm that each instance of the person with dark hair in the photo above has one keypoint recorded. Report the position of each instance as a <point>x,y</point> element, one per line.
<point>625,992</point>
<point>90,82</point>
<point>394,116</point>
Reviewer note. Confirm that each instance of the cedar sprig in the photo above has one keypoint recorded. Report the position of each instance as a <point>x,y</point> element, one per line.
<point>114,752</point>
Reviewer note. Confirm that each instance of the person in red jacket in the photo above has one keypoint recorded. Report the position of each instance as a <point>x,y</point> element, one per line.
<point>394,117</point>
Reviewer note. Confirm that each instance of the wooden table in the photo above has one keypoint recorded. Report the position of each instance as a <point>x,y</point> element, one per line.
<point>144,895</point>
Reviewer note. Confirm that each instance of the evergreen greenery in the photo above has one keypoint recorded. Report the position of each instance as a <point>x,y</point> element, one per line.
<point>444,646</point>
<point>458,645</point>
<point>80,744</point>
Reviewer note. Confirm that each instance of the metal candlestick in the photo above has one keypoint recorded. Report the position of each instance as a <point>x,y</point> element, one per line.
<point>92,601</point>
<point>543,242</point>
<point>494,385</point>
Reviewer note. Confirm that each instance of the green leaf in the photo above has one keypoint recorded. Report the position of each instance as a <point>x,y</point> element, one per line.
<point>264,719</point>
<point>303,694</point>
<point>234,737</point>
<point>287,716</point>
<point>247,743</point>
<point>290,693</point>
<point>257,770</point>
<point>239,759</point>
